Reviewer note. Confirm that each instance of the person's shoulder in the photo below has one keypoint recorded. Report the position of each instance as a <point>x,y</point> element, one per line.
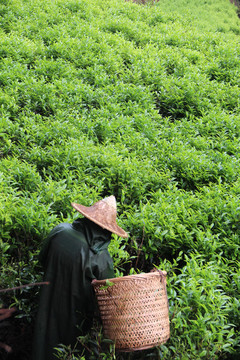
<point>62,227</point>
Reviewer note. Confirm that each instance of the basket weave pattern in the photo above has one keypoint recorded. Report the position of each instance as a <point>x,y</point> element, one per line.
<point>134,310</point>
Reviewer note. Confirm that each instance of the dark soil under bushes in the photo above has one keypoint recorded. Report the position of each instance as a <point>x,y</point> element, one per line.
<point>16,333</point>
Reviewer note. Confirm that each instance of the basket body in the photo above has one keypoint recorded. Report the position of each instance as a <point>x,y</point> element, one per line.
<point>134,310</point>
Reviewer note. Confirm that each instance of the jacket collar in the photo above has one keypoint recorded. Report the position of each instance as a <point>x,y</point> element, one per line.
<point>98,238</point>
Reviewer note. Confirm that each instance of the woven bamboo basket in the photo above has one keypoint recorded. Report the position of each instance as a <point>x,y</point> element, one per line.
<point>134,310</point>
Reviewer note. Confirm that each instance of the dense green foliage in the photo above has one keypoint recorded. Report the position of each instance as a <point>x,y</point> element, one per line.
<point>143,102</point>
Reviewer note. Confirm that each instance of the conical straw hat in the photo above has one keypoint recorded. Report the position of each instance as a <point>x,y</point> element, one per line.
<point>103,213</point>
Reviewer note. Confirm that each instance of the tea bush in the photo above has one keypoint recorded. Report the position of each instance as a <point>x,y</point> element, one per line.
<point>139,101</point>
<point>199,317</point>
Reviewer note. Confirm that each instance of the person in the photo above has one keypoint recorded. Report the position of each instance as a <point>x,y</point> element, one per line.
<point>72,256</point>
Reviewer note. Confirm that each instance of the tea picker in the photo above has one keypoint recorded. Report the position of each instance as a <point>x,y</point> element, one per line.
<point>72,256</point>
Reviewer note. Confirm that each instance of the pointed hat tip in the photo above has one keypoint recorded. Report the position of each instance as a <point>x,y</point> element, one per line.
<point>111,201</point>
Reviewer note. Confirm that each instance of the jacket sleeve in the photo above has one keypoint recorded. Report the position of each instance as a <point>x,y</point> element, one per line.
<point>103,266</point>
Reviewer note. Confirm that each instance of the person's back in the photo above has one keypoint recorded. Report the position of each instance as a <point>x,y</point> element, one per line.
<point>72,256</point>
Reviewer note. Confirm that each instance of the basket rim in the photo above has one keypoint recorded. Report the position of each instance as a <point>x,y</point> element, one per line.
<point>141,276</point>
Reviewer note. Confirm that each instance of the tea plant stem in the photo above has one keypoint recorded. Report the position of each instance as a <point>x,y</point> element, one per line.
<point>24,286</point>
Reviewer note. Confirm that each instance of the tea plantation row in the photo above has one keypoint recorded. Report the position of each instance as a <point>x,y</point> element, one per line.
<point>143,102</point>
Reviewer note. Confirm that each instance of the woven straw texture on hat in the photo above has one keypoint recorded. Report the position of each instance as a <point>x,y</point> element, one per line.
<point>103,213</point>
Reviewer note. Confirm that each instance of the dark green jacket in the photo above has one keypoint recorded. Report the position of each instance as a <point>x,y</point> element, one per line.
<point>72,256</point>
